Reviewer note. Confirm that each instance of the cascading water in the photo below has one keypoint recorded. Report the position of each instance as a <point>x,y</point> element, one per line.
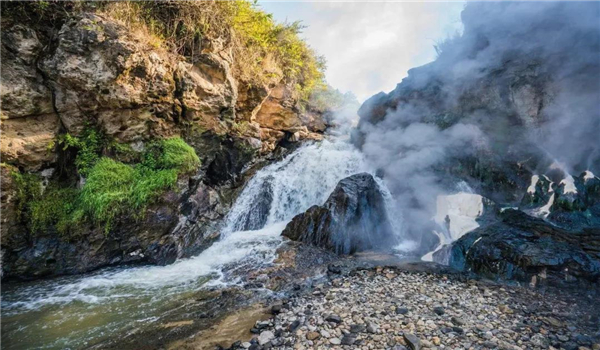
<point>77,311</point>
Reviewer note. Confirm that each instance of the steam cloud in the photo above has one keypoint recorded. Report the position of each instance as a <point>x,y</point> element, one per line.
<point>522,82</point>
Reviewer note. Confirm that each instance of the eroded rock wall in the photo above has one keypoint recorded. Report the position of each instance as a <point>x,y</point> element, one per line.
<point>93,72</point>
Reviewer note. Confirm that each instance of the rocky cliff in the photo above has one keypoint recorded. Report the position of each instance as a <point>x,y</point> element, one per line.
<point>78,86</point>
<point>508,110</point>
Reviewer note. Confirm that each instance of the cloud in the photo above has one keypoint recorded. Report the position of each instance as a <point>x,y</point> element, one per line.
<point>369,46</point>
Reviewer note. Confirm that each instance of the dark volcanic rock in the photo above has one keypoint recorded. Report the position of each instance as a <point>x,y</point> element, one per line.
<point>352,219</point>
<point>525,248</point>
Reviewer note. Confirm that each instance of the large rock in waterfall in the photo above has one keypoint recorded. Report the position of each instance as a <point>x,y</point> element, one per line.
<point>353,218</point>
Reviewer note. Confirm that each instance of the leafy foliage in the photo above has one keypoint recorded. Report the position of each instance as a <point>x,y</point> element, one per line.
<point>326,98</point>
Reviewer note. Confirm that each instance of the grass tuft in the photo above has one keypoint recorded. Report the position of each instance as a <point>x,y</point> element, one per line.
<point>112,189</point>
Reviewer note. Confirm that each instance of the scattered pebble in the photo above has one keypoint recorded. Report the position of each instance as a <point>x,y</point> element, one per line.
<point>397,310</point>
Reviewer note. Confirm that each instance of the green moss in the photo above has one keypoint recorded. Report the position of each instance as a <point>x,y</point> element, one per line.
<point>149,185</point>
<point>53,208</point>
<point>107,190</point>
<point>112,188</point>
<point>28,188</point>
<point>40,208</point>
<point>174,153</point>
<point>123,152</point>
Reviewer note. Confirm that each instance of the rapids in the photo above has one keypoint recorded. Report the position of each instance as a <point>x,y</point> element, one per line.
<point>80,311</point>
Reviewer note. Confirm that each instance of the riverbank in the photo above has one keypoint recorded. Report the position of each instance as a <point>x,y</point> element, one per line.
<point>412,306</point>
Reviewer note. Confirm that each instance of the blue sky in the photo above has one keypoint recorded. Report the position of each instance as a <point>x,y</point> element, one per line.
<point>370,46</point>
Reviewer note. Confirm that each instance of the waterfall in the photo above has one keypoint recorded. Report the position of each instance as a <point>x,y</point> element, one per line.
<point>251,235</point>
<point>131,296</point>
<point>282,190</point>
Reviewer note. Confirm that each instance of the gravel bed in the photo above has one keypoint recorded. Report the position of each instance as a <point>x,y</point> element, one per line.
<point>386,308</point>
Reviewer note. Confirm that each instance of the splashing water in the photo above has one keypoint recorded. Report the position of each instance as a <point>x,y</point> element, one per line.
<point>79,311</point>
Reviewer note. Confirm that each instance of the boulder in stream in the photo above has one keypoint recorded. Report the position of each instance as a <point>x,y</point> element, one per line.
<point>354,218</point>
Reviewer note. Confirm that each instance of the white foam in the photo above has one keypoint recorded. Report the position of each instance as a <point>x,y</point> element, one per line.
<point>301,180</point>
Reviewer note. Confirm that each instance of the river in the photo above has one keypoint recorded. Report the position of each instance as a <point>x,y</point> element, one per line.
<point>75,312</point>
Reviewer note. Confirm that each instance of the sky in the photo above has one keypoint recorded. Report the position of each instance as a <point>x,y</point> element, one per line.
<point>370,46</point>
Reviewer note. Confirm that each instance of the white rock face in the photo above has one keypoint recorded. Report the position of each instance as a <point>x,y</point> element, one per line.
<point>457,214</point>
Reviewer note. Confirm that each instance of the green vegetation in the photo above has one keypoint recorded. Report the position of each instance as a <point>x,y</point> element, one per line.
<point>264,50</point>
<point>171,153</point>
<point>27,187</point>
<point>88,146</point>
<point>326,98</point>
<point>112,188</point>
<point>55,207</point>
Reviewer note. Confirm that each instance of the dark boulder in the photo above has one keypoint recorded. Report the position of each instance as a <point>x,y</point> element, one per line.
<point>353,218</point>
<point>523,248</point>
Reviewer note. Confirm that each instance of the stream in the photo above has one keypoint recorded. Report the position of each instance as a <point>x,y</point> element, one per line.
<point>74,312</point>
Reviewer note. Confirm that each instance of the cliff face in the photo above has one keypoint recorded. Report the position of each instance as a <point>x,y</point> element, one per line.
<point>509,108</point>
<point>92,72</point>
<point>502,102</point>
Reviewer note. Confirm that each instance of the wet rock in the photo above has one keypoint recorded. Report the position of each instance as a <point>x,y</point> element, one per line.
<point>358,328</point>
<point>529,249</point>
<point>401,310</point>
<point>294,325</point>
<point>275,309</point>
<point>457,321</point>
<point>348,339</point>
<point>352,219</point>
<point>372,328</point>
